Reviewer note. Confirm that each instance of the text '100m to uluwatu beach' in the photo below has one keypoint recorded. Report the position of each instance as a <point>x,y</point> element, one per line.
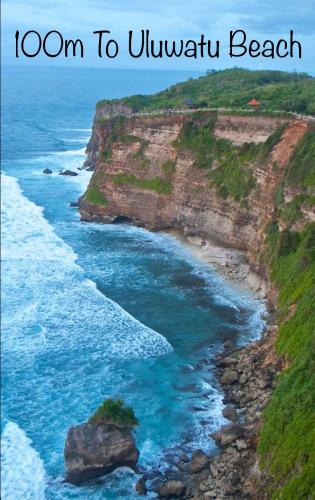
<point>141,44</point>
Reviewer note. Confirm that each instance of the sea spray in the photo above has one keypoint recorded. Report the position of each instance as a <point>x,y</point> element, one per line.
<point>23,473</point>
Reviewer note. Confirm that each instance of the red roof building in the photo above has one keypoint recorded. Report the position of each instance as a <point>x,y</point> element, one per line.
<point>253,102</point>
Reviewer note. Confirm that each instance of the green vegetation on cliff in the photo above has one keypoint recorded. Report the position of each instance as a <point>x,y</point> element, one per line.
<point>114,411</point>
<point>233,88</point>
<point>287,439</point>
<point>300,175</point>
<point>116,133</point>
<point>301,171</point>
<point>93,195</point>
<point>229,166</point>
<point>157,184</point>
<point>114,128</point>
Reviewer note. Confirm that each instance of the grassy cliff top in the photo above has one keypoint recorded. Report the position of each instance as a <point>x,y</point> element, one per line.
<point>233,88</point>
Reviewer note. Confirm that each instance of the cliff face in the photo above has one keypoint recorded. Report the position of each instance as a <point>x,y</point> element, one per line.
<point>246,182</point>
<point>144,175</point>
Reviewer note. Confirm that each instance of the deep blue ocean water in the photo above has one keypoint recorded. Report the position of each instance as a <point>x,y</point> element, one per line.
<point>92,311</point>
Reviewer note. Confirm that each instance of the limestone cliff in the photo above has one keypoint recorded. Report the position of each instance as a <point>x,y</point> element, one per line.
<point>143,174</point>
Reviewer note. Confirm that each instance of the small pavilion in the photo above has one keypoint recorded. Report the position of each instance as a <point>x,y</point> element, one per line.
<point>253,104</point>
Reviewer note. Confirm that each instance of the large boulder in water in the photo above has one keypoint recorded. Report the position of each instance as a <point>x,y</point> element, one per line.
<point>93,450</point>
<point>68,172</point>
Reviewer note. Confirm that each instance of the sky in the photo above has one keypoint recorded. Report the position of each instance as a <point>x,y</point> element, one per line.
<point>166,19</point>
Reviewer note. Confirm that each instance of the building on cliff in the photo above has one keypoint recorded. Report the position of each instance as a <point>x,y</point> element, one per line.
<point>253,104</point>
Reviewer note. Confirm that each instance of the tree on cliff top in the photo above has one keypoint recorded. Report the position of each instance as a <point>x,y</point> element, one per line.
<point>233,88</point>
<point>114,411</point>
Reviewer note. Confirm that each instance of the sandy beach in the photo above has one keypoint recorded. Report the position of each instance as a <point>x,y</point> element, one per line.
<point>229,262</point>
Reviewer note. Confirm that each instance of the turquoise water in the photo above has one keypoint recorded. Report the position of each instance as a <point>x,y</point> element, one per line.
<point>93,311</point>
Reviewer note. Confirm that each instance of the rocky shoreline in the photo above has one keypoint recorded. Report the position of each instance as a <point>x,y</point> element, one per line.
<point>247,376</point>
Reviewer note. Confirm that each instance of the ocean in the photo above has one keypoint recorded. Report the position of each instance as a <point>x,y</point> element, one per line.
<point>94,311</point>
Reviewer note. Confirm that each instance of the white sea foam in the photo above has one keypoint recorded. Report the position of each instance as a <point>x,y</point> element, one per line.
<point>47,300</point>
<point>58,161</point>
<point>74,129</point>
<point>69,152</point>
<point>76,139</point>
<point>23,474</point>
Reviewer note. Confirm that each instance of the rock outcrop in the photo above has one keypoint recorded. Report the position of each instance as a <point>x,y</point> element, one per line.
<point>148,180</point>
<point>92,450</point>
<point>70,173</point>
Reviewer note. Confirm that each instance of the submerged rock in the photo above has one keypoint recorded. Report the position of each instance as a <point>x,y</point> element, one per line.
<point>68,172</point>
<point>140,487</point>
<point>47,171</point>
<point>172,488</point>
<point>92,450</point>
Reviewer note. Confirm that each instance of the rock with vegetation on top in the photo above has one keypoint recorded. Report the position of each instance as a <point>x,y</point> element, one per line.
<point>101,445</point>
<point>47,171</point>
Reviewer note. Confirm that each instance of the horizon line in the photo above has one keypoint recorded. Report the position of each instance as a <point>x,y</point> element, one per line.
<point>179,70</point>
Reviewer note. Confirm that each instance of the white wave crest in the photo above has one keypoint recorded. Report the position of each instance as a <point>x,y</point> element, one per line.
<point>44,290</point>
<point>23,474</point>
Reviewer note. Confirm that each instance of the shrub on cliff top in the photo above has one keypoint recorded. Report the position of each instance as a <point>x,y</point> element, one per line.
<point>114,411</point>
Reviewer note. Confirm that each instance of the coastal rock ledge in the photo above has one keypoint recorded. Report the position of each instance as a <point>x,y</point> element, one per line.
<point>92,450</point>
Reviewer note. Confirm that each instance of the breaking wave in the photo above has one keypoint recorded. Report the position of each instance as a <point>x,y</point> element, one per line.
<point>23,472</point>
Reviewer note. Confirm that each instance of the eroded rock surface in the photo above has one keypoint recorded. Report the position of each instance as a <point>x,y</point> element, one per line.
<point>92,450</point>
